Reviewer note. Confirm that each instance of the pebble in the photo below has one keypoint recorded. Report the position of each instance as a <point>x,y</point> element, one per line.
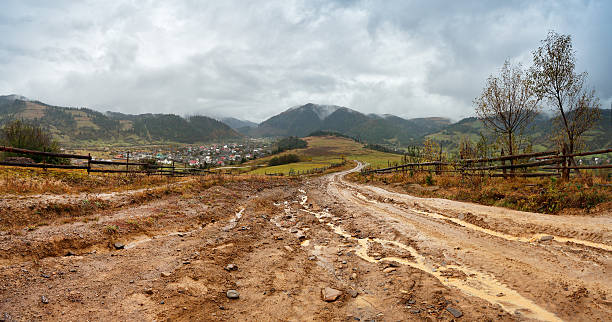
<point>354,276</point>
<point>455,312</point>
<point>330,294</point>
<point>165,274</point>
<point>389,269</point>
<point>73,270</point>
<point>231,267</point>
<point>232,294</point>
<point>119,245</point>
<point>148,291</point>
<point>288,248</point>
<point>311,258</point>
<point>353,293</point>
<point>44,299</point>
<point>547,238</point>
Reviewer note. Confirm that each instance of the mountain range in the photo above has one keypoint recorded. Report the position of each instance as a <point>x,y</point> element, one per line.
<point>82,126</point>
<point>308,118</point>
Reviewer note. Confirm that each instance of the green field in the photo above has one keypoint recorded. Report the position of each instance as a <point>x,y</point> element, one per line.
<point>323,151</point>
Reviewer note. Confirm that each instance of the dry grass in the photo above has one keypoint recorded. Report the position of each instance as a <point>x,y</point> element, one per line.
<point>24,181</point>
<point>589,195</point>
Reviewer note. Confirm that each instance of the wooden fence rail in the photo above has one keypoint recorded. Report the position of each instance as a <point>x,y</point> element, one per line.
<point>547,162</point>
<point>145,168</point>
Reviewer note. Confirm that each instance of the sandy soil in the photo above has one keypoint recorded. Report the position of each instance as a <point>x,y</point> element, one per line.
<point>392,256</point>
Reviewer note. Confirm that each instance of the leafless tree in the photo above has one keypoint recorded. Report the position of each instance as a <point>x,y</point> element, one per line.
<point>554,79</point>
<point>507,104</point>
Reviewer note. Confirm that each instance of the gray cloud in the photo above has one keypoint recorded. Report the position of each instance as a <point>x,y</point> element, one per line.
<point>253,59</point>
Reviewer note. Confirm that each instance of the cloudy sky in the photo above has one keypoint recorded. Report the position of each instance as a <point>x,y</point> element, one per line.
<point>253,59</point>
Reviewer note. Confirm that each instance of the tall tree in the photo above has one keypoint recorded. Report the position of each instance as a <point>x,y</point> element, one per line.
<point>507,104</point>
<point>554,79</point>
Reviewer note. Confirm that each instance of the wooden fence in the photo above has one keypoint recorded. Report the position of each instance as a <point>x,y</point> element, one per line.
<point>136,167</point>
<point>541,164</point>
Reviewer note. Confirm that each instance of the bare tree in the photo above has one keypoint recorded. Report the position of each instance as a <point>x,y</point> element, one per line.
<point>507,104</point>
<point>576,107</point>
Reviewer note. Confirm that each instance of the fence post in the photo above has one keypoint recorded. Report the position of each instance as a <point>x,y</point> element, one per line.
<point>503,164</point>
<point>88,162</point>
<point>127,163</point>
<point>565,171</point>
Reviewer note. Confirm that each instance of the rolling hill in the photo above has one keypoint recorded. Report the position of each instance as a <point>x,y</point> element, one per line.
<point>77,126</point>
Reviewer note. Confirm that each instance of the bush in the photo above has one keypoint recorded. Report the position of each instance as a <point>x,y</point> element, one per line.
<point>284,159</point>
<point>18,134</point>
<point>290,143</point>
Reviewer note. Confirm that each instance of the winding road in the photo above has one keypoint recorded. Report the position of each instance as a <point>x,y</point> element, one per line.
<point>535,266</point>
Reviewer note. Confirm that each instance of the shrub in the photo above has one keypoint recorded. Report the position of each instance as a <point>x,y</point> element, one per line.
<point>19,134</point>
<point>283,159</point>
<point>290,143</point>
<point>429,180</point>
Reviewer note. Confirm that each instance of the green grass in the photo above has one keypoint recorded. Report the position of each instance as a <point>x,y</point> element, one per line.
<point>323,151</point>
<point>286,168</point>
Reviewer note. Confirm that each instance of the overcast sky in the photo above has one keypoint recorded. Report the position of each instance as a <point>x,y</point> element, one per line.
<point>254,59</point>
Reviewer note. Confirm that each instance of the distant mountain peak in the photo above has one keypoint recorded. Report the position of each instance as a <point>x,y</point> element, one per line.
<point>14,97</point>
<point>322,111</point>
<point>236,123</point>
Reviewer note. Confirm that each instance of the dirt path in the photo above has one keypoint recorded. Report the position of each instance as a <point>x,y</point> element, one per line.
<point>533,265</point>
<point>392,256</point>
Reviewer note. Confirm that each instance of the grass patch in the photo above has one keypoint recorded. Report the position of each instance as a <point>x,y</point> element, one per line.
<point>323,151</point>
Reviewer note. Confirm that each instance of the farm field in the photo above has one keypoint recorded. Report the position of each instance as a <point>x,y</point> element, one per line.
<point>324,151</point>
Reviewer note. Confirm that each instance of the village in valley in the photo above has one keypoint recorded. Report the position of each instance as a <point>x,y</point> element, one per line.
<point>197,156</point>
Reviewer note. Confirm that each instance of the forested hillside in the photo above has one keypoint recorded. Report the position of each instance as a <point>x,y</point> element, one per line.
<point>74,126</point>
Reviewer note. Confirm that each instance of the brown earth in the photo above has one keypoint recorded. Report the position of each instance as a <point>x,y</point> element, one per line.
<point>393,256</point>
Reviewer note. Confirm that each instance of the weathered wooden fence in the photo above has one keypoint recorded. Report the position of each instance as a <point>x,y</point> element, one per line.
<point>136,167</point>
<point>541,164</point>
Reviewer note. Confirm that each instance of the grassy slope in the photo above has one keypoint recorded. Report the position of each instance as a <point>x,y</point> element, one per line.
<point>322,151</point>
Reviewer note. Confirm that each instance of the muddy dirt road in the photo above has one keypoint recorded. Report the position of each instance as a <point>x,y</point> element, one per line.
<point>534,266</point>
<point>281,243</point>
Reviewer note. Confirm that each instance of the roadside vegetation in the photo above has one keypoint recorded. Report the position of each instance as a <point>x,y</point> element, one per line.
<point>590,195</point>
<point>24,181</point>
